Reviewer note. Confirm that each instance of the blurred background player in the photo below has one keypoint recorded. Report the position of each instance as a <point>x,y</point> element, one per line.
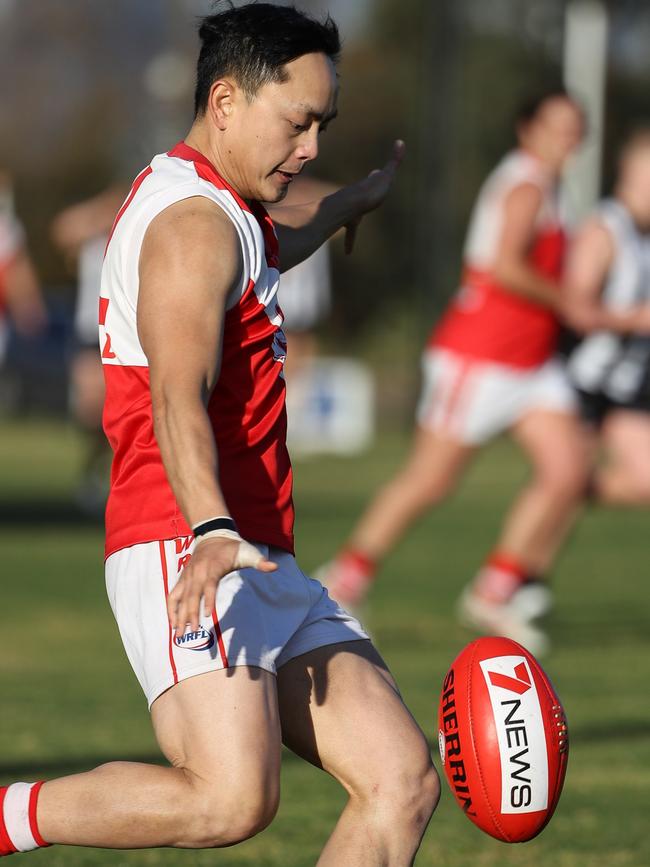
<point>81,233</point>
<point>489,367</point>
<point>306,291</point>
<point>21,301</point>
<point>330,401</point>
<point>608,284</point>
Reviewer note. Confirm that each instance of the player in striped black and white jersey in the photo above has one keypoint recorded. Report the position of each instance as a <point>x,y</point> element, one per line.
<point>608,280</point>
<point>489,367</point>
<point>235,648</point>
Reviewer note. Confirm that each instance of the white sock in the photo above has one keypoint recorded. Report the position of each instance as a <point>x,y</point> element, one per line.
<point>18,828</point>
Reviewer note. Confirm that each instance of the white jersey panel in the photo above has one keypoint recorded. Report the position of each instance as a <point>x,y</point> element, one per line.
<point>170,180</point>
<point>486,222</point>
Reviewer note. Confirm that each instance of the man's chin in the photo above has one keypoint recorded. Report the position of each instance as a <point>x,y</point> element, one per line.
<point>276,193</point>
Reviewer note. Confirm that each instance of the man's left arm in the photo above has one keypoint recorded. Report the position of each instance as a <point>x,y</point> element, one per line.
<point>303,228</point>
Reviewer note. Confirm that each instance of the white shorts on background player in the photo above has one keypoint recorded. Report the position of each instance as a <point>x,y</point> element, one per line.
<point>261,620</point>
<point>471,400</point>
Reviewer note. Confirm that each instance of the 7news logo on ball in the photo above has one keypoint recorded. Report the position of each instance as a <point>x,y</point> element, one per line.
<point>503,739</point>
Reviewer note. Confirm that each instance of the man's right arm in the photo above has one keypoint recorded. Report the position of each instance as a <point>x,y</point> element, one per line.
<point>189,262</point>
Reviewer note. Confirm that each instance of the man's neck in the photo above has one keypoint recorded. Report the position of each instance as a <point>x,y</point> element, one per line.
<point>200,140</point>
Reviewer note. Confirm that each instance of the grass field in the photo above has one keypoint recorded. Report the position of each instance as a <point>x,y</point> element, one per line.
<point>70,701</point>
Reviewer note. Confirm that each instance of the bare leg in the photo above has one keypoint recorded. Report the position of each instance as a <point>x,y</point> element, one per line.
<point>341,710</point>
<point>429,474</point>
<point>625,478</point>
<point>544,511</point>
<point>221,733</point>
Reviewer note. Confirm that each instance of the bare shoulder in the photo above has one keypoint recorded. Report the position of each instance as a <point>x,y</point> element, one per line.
<point>195,219</point>
<point>524,196</point>
<point>195,240</point>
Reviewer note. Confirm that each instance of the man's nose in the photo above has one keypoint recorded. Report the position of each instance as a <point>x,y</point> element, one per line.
<point>308,147</point>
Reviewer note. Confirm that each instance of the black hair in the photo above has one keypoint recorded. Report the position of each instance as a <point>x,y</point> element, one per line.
<point>530,106</point>
<point>254,42</point>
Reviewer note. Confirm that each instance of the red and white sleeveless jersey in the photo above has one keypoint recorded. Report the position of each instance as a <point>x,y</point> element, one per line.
<point>247,406</point>
<point>485,320</point>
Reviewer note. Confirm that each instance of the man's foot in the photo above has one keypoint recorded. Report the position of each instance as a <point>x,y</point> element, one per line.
<point>501,618</point>
<point>347,578</point>
<point>533,599</point>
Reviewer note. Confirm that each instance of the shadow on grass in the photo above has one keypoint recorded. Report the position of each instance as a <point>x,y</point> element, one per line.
<point>33,768</point>
<point>53,513</point>
<point>585,734</point>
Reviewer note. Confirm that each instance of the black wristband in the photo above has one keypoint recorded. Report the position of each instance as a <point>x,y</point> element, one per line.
<point>215,524</point>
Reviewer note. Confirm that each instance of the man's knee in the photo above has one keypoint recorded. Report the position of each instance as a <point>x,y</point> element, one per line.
<point>243,813</point>
<point>565,482</point>
<point>416,796</point>
<point>404,796</point>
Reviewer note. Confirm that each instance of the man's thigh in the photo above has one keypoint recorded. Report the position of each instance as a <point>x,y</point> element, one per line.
<point>340,710</point>
<point>223,726</point>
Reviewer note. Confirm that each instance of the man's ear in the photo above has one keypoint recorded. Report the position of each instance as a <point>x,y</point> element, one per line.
<point>221,100</point>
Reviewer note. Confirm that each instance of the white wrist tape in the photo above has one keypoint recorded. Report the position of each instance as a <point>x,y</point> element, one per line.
<point>248,557</point>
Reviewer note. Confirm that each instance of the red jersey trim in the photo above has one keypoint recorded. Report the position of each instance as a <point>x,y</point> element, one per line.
<point>33,824</point>
<point>165,577</point>
<point>206,170</point>
<point>220,644</point>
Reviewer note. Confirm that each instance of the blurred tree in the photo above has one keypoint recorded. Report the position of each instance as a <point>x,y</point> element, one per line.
<point>445,76</point>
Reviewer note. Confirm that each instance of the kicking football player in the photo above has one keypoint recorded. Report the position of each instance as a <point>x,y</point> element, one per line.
<point>235,648</point>
<point>488,368</point>
<point>608,280</point>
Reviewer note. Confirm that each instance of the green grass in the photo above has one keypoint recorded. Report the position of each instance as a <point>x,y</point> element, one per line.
<point>69,699</point>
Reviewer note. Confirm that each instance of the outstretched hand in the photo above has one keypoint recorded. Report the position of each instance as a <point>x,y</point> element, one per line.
<point>373,190</point>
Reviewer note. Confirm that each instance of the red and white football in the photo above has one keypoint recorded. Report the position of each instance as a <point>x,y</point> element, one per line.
<point>503,738</point>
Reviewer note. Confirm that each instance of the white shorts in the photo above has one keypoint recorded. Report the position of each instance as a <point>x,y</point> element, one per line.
<point>261,620</point>
<point>471,400</point>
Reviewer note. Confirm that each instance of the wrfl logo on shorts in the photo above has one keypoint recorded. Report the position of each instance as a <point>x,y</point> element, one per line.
<point>201,639</point>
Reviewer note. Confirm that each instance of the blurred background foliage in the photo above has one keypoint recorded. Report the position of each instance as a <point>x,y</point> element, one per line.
<point>97,88</point>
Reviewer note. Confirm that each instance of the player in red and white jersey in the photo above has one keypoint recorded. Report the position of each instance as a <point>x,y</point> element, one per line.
<point>81,232</point>
<point>21,301</point>
<point>235,648</point>
<point>488,368</point>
